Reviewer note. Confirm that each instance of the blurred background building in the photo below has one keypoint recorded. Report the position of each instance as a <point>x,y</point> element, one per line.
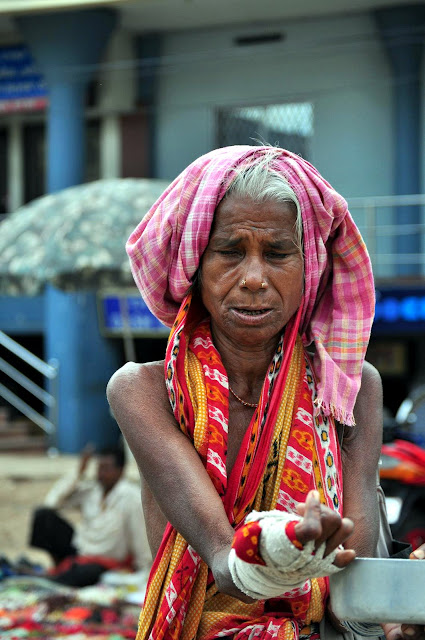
<point>138,89</point>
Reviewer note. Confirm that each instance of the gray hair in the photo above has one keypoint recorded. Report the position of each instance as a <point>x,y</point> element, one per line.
<point>260,181</point>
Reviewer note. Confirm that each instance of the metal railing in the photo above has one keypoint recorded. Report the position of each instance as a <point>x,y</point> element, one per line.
<point>380,220</point>
<point>50,370</point>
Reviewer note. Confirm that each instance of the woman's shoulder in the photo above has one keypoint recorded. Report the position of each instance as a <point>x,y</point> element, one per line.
<point>135,377</point>
<point>371,380</point>
<point>370,374</point>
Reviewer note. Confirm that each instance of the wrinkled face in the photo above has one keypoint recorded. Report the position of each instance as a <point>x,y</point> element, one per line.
<point>252,271</point>
<point>108,473</point>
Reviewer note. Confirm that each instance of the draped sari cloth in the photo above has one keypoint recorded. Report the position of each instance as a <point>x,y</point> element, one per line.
<point>290,446</point>
<point>285,453</point>
<point>166,248</point>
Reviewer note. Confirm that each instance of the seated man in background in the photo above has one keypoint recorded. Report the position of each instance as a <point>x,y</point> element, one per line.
<point>111,533</point>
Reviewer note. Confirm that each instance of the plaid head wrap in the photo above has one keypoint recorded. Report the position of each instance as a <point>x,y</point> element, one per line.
<point>165,251</point>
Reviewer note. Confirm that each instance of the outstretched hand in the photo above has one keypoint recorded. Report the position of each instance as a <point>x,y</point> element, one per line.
<point>322,524</point>
<point>318,523</point>
<point>407,631</point>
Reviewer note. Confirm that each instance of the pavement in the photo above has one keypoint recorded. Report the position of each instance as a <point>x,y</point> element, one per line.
<point>36,466</point>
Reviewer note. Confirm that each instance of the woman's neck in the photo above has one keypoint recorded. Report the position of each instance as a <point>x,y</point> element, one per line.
<point>246,366</point>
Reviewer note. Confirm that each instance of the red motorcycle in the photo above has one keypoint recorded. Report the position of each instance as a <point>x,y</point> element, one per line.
<point>402,470</point>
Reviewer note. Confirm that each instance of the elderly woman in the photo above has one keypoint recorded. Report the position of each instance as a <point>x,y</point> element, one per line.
<point>258,437</point>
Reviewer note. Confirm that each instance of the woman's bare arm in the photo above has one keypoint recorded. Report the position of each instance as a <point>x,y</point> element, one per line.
<point>360,456</point>
<point>154,518</point>
<point>178,486</point>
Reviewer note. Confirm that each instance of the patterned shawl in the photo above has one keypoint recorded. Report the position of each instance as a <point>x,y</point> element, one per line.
<point>285,453</point>
<point>166,248</point>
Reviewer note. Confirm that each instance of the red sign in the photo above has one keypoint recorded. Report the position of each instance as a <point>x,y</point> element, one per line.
<point>22,104</point>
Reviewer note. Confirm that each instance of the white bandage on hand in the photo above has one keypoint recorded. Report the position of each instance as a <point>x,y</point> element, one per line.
<point>287,567</point>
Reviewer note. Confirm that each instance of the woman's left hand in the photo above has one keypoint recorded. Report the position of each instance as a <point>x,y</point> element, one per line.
<point>321,524</point>
<point>407,631</point>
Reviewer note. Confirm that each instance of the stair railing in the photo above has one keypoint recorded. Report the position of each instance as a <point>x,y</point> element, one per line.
<point>50,370</point>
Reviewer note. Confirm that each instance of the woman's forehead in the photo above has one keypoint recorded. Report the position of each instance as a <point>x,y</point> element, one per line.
<point>235,213</point>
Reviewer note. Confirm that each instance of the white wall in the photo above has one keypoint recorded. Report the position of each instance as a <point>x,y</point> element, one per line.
<point>117,78</point>
<point>338,64</point>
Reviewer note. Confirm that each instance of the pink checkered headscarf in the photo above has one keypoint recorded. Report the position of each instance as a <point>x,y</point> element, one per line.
<point>338,307</point>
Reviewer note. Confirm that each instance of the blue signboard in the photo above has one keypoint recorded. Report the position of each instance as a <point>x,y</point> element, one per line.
<point>122,313</point>
<point>399,310</point>
<point>22,87</point>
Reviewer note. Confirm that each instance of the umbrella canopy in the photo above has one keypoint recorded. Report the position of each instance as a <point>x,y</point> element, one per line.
<point>74,238</point>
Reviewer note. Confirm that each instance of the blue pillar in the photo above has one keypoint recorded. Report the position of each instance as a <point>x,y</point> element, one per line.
<point>402,32</point>
<point>87,361</point>
<point>66,152</point>
<point>67,47</point>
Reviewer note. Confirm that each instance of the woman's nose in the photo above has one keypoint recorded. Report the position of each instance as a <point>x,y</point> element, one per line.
<point>254,277</point>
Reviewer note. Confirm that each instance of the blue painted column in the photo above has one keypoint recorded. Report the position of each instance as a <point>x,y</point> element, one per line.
<point>402,31</point>
<point>66,149</point>
<point>87,361</point>
<point>67,47</point>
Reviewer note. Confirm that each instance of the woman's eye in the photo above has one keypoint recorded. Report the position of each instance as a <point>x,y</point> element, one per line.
<point>276,254</point>
<point>229,252</point>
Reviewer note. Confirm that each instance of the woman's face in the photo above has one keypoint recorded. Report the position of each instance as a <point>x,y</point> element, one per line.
<point>252,271</point>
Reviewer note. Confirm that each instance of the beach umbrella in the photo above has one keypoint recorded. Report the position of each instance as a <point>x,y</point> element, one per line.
<point>75,238</point>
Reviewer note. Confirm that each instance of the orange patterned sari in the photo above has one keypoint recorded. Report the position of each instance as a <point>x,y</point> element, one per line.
<point>287,450</point>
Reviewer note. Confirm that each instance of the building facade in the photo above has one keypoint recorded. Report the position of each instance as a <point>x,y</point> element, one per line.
<point>152,97</point>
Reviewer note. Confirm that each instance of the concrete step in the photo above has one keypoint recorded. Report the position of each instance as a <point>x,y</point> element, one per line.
<point>11,429</point>
<point>17,426</point>
<point>23,442</point>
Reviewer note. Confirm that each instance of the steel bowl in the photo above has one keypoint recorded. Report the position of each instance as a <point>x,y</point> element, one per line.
<point>380,590</point>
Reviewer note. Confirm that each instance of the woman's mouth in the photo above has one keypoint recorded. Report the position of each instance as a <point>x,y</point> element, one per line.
<point>253,312</point>
<point>251,315</point>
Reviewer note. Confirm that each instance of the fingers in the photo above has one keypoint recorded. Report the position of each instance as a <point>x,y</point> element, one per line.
<point>392,631</point>
<point>310,527</point>
<point>343,532</point>
<point>344,557</point>
<point>413,631</point>
<point>395,631</point>
<point>418,554</point>
<point>321,524</point>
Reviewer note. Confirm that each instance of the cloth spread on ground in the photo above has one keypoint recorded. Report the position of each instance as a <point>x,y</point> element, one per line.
<point>285,453</point>
<point>112,527</point>
<point>338,308</point>
<point>36,608</point>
